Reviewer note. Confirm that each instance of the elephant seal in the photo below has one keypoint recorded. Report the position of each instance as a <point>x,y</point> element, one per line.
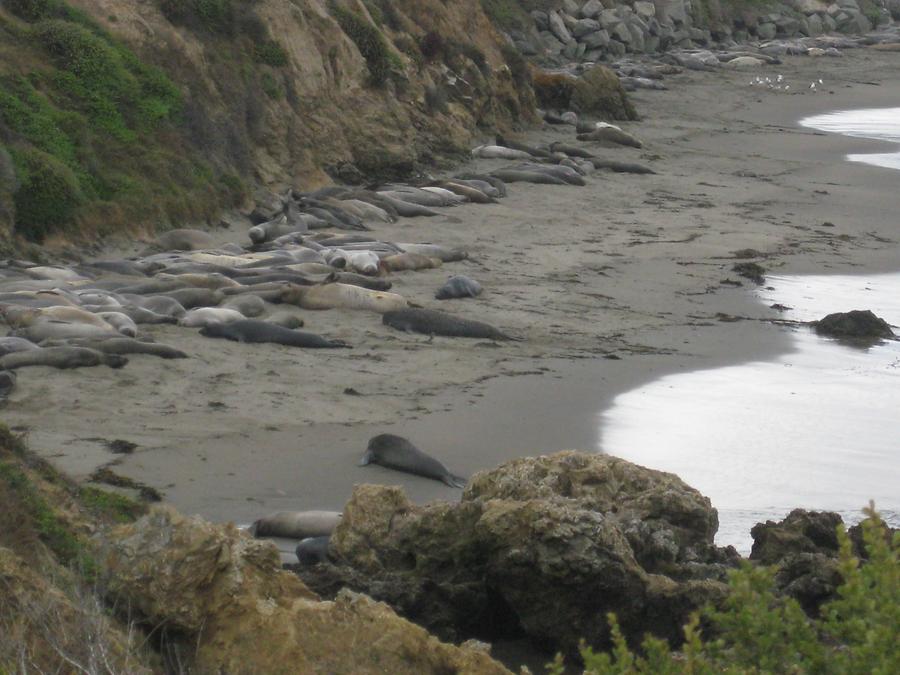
<point>53,330</point>
<point>8,345</point>
<point>61,357</point>
<point>208,316</point>
<point>401,262</point>
<point>160,304</point>
<point>285,320</point>
<point>183,240</point>
<point>522,176</point>
<point>121,322</point>
<point>432,322</point>
<point>312,550</point>
<point>610,135</point>
<point>621,167</point>
<point>123,346</point>
<point>353,279</point>
<point>251,306</point>
<point>296,524</point>
<point>22,317</point>
<point>470,192</point>
<point>515,145</point>
<point>442,253</point>
<point>571,150</point>
<point>499,152</point>
<point>253,330</point>
<point>341,296</point>
<point>189,298</point>
<point>459,286</point>
<point>395,452</point>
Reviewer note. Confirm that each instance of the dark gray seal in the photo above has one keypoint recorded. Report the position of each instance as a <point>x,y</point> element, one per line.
<point>61,357</point>
<point>432,322</point>
<point>395,452</point>
<point>621,167</point>
<point>252,330</point>
<point>521,176</point>
<point>313,550</point>
<point>459,286</point>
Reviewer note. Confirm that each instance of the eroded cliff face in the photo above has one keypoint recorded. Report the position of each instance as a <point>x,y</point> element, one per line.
<point>272,92</point>
<point>290,123</point>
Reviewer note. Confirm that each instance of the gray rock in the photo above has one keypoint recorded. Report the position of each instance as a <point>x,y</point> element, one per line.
<point>594,54</point>
<point>558,28</point>
<point>766,31</point>
<point>616,48</point>
<point>571,7</point>
<point>814,25</point>
<point>651,44</point>
<point>609,18</point>
<point>622,33</point>
<point>700,35</point>
<point>645,9</point>
<point>596,40</point>
<point>787,25</point>
<point>570,51</point>
<point>591,9</point>
<point>829,23</point>
<point>637,38</point>
<point>584,26</point>
<point>550,42</point>
<point>541,19</point>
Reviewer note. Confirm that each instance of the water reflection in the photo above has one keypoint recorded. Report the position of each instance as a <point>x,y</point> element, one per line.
<point>880,124</point>
<point>818,428</point>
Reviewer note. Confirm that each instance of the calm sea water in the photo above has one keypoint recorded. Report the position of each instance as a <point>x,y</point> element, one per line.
<point>880,124</point>
<point>818,428</point>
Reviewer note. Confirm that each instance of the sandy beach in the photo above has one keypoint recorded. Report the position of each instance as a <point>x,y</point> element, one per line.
<point>609,285</point>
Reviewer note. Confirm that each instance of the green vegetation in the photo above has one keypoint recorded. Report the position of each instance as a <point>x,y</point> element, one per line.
<point>111,506</point>
<point>96,136</point>
<point>271,53</point>
<point>757,631</point>
<point>370,42</point>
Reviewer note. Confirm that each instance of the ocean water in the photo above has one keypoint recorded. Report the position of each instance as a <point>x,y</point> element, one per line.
<point>879,124</point>
<point>818,428</point>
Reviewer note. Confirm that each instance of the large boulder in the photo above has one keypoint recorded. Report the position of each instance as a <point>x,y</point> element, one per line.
<point>856,325</point>
<point>227,606</point>
<point>543,547</point>
<point>599,93</point>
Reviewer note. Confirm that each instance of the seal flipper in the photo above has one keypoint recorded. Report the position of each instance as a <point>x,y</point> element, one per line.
<point>366,458</point>
<point>454,481</point>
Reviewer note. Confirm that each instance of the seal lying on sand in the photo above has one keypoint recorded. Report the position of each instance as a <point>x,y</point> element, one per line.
<point>296,524</point>
<point>459,286</point>
<point>253,330</point>
<point>432,322</point>
<point>341,296</point>
<point>395,452</point>
<point>61,357</point>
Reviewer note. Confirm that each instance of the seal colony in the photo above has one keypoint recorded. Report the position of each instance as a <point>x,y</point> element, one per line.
<point>304,253</point>
<point>310,251</point>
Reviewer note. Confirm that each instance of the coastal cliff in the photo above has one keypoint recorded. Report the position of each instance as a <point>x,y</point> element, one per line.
<point>122,114</point>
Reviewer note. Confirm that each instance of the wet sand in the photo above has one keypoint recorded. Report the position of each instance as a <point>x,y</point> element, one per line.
<point>630,267</point>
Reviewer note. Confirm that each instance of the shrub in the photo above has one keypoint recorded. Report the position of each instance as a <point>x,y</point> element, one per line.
<point>756,631</point>
<point>271,53</point>
<point>370,42</point>
<point>48,195</point>
<point>215,16</point>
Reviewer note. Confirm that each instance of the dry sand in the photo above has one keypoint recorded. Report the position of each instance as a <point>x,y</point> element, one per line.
<point>628,267</point>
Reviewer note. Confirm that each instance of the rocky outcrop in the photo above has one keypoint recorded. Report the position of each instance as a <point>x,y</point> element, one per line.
<point>854,326</point>
<point>593,31</point>
<point>597,93</point>
<point>804,548</point>
<point>543,547</point>
<point>225,605</point>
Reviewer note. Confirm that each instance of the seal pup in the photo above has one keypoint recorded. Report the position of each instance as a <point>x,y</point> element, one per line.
<point>285,320</point>
<point>353,279</point>
<point>395,452</point>
<point>442,253</point>
<point>312,550</point>
<point>621,167</point>
<point>123,346</point>
<point>251,306</point>
<point>8,345</point>
<point>432,322</point>
<point>296,524</point>
<point>499,152</point>
<point>253,330</point>
<point>459,286</point>
<point>522,176</point>
<point>121,322</point>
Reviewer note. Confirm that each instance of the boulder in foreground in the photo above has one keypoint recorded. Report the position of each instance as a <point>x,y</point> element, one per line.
<point>226,605</point>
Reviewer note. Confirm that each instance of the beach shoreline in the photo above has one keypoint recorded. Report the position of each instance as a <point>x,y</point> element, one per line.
<point>610,285</point>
